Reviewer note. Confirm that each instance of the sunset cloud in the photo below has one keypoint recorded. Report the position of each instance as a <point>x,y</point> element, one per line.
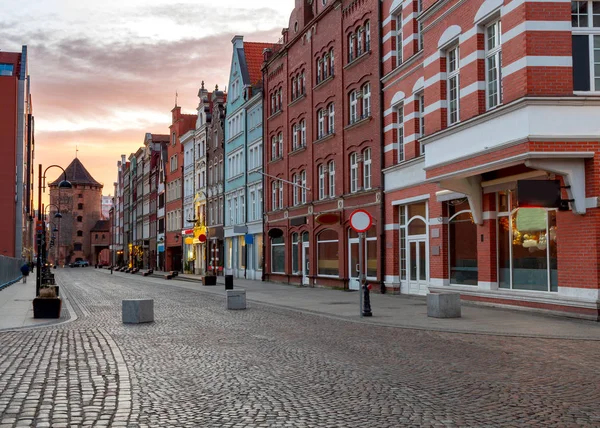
<point>105,72</point>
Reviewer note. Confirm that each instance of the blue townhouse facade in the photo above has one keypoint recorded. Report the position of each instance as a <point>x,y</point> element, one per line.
<point>243,228</point>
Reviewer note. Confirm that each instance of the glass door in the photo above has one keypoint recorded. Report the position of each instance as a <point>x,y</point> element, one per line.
<point>305,264</point>
<point>417,266</point>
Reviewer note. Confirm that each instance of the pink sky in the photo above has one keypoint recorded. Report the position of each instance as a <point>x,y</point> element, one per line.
<point>103,74</point>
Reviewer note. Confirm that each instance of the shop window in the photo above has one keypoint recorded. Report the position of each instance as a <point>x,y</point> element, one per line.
<point>527,247</point>
<point>229,250</point>
<point>462,244</point>
<point>370,251</point>
<point>258,243</point>
<point>277,255</point>
<point>241,252</point>
<point>327,253</point>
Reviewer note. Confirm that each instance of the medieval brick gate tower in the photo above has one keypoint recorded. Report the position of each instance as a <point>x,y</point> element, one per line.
<point>81,209</point>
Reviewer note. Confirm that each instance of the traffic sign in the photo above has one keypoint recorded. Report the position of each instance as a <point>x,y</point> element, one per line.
<point>361,221</point>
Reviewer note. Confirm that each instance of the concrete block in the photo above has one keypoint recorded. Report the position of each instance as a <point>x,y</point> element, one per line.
<point>443,305</point>
<point>236,299</point>
<point>137,311</point>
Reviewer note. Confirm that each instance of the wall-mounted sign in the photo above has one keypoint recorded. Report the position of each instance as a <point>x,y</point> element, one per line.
<point>328,218</point>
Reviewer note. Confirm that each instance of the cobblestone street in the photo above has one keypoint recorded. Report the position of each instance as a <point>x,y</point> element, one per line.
<point>199,365</point>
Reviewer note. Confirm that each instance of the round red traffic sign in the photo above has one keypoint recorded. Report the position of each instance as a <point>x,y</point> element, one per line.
<point>361,221</point>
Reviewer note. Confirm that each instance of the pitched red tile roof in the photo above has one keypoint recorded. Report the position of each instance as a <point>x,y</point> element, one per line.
<point>189,122</point>
<point>160,138</point>
<point>254,59</point>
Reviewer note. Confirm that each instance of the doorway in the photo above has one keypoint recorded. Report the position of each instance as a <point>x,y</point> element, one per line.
<point>417,266</point>
<point>305,264</point>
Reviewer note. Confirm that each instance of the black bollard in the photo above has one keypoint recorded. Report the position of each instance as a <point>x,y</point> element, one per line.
<point>366,302</point>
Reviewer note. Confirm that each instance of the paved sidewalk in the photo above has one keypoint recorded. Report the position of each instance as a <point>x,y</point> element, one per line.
<point>402,311</point>
<point>16,306</point>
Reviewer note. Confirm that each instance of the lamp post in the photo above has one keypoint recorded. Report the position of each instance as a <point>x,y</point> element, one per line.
<point>40,227</point>
<point>57,215</point>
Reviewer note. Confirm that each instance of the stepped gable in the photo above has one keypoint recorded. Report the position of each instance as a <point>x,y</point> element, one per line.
<point>253,51</point>
<point>76,174</point>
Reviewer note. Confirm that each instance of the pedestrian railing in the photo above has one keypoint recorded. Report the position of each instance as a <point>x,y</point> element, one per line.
<point>10,270</point>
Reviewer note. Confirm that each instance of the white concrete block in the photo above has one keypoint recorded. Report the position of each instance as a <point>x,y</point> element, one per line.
<point>443,305</point>
<point>137,311</point>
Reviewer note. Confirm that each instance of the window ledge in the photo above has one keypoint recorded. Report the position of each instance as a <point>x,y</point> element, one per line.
<point>587,93</point>
<point>357,59</point>
<point>276,160</point>
<point>297,100</point>
<point>324,82</point>
<point>325,138</point>
<point>235,177</point>
<point>297,150</point>
<point>274,115</point>
<point>358,123</point>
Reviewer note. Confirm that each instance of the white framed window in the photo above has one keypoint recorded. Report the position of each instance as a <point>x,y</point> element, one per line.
<point>400,131</point>
<point>274,145</point>
<point>453,86</point>
<point>303,133</point>
<point>294,136</point>
<point>359,41</point>
<point>259,205</point>
<point>322,189</point>
<point>421,116</point>
<point>275,195</point>
<point>420,37</point>
<point>353,173</point>
<point>331,167</point>
<point>399,39</point>
<point>252,211</point>
<point>303,183</point>
<point>366,100</point>
<point>325,66</point>
<point>585,23</point>
<point>319,70</point>
<point>281,195</point>
<point>280,148</point>
<point>493,64</point>
<point>331,119</point>
<point>353,107</point>
<point>242,200</point>
<point>294,84</point>
<point>296,193</point>
<point>331,63</point>
<point>367,169</point>
<point>321,128</point>
<point>367,36</point>
<point>351,43</point>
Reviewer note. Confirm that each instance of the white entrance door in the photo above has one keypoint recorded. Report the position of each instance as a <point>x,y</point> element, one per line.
<point>417,266</point>
<point>305,264</point>
<point>353,264</point>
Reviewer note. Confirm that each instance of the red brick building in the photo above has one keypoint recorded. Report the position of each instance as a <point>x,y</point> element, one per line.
<point>180,124</point>
<point>322,132</point>
<point>81,209</point>
<point>478,97</point>
<point>16,164</point>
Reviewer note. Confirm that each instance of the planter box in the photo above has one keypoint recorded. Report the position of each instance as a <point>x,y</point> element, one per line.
<point>209,280</point>
<point>47,307</point>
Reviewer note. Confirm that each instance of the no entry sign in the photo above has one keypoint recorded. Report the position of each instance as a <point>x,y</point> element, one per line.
<point>361,221</point>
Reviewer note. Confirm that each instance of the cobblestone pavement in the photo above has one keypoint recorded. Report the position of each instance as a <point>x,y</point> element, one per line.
<point>199,365</point>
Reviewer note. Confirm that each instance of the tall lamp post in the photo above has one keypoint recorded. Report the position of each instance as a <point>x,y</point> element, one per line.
<point>40,227</point>
<point>57,215</point>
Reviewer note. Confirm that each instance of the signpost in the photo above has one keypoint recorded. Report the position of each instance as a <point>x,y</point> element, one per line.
<point>361,221</point>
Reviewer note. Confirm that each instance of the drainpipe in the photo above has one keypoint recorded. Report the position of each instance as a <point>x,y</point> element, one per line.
<point>381,161</point>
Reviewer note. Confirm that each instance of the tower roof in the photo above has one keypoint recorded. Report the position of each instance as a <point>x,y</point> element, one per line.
<point>76,174</point>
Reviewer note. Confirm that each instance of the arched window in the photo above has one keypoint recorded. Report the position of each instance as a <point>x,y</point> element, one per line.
<point>331,179</point>
<point>353,173</point>
<point>96,237</point>
<point>322,188</point>
<point>321,128</point>
<point>103,236</point>
<point>462,245</point>
<point>353,107</point>
<point>80,233</point>
<point>296,181</point>
<point>277,255</point>
<point>367,169</point>
<point>331,119</point>
<point>327,253</point>
<point>79,206</point>
<point>366,100</point>
<point>79,219</point>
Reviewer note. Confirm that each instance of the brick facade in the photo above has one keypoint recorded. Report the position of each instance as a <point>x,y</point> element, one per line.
<point>494,140</point>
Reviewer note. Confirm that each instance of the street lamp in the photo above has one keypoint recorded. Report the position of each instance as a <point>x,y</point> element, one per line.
<point>41,236</point>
